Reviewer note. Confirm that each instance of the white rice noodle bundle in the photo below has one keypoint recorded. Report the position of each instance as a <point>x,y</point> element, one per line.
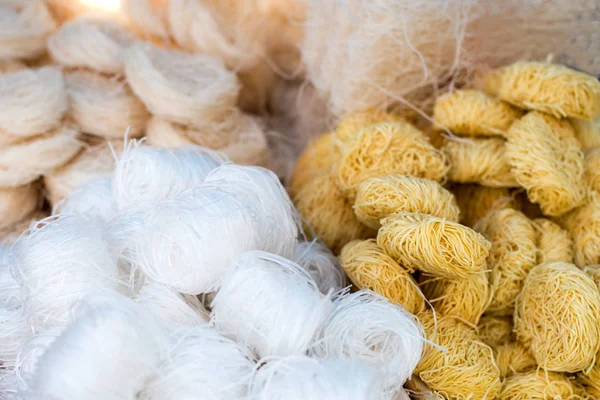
<point>14,331</point>
<point>56,263</point>
<point>174,308</point>
<point>201,361</point>
<point>270,305</point>
<point>301,377</point>
<point>148,16</point>
<point>198,28</point>
<point>144,174</point>
<point>104,106</point>
<point>188,243</point>
<point>365,54</point>
<point>321,264</point>
<point>32,101</point>
<point>91,42</point>
<point>366,326</point>
<point>122,346</point>
<point>24,27</point>
<point>18,203</point>
<point>92,199</point>
<point>280,222</point>
<point>28,358</point>
<point>190,89</point>
<point>26,161</point>
<point>246,144</point>
<point>94,162</point>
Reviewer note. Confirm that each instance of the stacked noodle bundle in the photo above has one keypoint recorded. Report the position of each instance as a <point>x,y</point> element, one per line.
<point>105,299</point>
<point>517,164</point>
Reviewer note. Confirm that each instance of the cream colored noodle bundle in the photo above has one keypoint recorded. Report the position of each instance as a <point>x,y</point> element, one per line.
<point>11,65</point>
<point>17,203</point>
<point>368,267</point>
<point>24,28</point>
<point>466,299</point>
<point>391,52</point>
<point>26,161</point>
<point>104,106</point>
<point>512,255</point>
<point>246,144</point>
<point>190,89</point>
<point>482,161</point>
<point>549,88</point>
<point>388,148</point>
<point>381,196</point>
<point>547,160</point>
<point>32,102</point>
<point>93,162</point>
<point>473,113</point>
<point>433,245</point>
<point>91,42</point>
<point>557,295</point>
<point>553,242</point>
<point>147,16</point>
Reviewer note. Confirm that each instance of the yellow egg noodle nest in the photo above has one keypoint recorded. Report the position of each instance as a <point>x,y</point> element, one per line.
<point>495,330</point>
<point>591,379</point>
<point>378,197</point>
<point>532,210</point>
<point>550,88</point>
<point>420,391</point>
<point>512,255</point>
<point>594,272</point>
<point>104,106</point>
<point>318,157</point>
<point>466,370</point>
<point>557,315</point>
<point>476,201</point>
<point>464,298</point>
<point>512,358</point>
<point>384,149</point>
<point>355,122</point>
<point>474,113</point>
<point>26,161</point>
<point>588,132</point>
<point>583,225</point>
<point>547,160</point>
<point>328,213</point>
<point>368,267</point>
<point>539,385</point>
<point>482,161</point>
<point>553,243</point>
<point>591,174</point>
<point>433,245</point>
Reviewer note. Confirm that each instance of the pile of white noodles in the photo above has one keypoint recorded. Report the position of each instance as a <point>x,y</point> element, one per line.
<point>108,298</point>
